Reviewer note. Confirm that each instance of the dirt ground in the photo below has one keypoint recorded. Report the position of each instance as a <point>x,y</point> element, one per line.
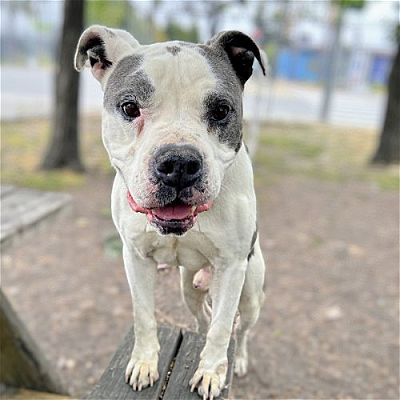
<point>329,326</point>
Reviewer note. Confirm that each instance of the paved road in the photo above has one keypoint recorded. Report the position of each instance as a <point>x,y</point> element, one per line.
<point>27,91</point>
<point>290,101</point>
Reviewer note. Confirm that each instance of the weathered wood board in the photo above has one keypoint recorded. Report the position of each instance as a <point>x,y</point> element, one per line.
<point>21,209</point>
<point>112,383</point>
<point>22,364</point>
<point>179,357</point>
<point>185,365</point>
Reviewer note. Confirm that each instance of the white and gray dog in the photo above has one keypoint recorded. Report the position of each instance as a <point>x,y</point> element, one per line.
<point>183,193</point>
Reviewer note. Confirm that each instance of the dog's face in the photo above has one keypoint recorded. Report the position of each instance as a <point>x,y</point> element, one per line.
<point>172,117</point>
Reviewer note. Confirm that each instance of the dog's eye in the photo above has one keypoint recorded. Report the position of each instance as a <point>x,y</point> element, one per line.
<point>131,110</point>
<point>220,112</point>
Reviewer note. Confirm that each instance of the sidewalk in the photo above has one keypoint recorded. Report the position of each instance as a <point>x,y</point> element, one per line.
<point>300,102</point>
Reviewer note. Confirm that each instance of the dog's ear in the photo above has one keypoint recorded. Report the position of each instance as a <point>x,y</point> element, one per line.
<point>241,51</point>
<point>100,48</point>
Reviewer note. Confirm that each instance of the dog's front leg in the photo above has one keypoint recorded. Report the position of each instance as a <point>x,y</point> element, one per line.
<point>142,369</point>
<point>226,287</point>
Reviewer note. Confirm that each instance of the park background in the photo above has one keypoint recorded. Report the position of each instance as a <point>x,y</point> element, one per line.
<point>328,214</point>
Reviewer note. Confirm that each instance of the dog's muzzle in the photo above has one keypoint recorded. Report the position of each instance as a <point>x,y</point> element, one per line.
<point>177,171</point>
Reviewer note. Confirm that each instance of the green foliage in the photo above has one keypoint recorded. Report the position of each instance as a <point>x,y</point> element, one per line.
<point>174,31</point>
<point>42,26</point>
<point>355,4</point>
<point>121,14</point>
<point>110,13</point>
<point>272,50</point>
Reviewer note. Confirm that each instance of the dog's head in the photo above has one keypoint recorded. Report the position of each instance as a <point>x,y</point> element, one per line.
<point>172,119</point>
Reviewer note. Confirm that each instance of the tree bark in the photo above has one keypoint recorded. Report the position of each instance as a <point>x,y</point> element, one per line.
<point>331,62</point>
<point>388,150</point>
<point>63,149</point>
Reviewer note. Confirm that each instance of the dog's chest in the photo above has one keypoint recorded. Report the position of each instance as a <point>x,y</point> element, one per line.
<point>192,251</point>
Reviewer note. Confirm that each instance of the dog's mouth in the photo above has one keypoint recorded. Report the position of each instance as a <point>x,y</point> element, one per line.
<point>176,217</point>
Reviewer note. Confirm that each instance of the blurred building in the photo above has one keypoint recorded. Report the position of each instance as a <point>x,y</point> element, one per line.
<point>367,45</point>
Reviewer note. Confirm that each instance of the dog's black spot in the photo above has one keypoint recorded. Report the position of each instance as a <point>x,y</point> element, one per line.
<point>253,241</point>
<point>230,56</point>
<point>241,51</point>
<point>174,50</point>
<point>228,88</point>
<point>246,147</point>
<point>239,145</point>
<point>94,48</point>
<point>128,83</point>
<point>228,130</point>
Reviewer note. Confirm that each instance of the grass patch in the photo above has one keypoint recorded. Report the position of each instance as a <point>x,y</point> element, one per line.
<point>295,145</point>
<point>386,181</point>
<point>23,144</point>
<point>312,150</point>
<point>321,152</point>
<point>43,180</point>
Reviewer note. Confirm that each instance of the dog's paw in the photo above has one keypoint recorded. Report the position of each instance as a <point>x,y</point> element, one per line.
<point>209,382</point>
<point>141,373</point>
<point>241,366</point>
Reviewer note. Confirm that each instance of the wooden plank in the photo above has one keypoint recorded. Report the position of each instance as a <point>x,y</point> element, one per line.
<point>5,190</point>
<point>22,364</point>
<point>24,208</point>
<point>112,383</point>
<point>185,365</point>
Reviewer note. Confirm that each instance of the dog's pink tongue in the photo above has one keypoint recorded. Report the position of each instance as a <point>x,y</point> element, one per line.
<point>173,212</point>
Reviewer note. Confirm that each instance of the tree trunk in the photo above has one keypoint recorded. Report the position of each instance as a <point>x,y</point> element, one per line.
<point>331,65</point>
<point>63,150</point>
<point>388,150</point>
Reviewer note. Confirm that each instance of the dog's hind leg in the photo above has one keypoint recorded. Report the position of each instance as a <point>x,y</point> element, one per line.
<point>195,299</point>
<point>249,306</point>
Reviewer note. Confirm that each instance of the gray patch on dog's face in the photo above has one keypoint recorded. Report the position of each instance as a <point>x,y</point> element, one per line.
<point>228,91</point>
<point>174,50</point>
<point>128,83</point>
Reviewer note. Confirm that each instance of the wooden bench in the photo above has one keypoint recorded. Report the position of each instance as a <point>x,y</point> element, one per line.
<point>179,358</point>
<point>25,210</point>
<point>22,363</point>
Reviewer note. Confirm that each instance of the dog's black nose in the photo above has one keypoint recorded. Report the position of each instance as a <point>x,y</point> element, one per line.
<point>178,166</point>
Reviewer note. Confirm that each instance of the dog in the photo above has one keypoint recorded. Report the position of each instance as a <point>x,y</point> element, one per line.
<point>183,193</point>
